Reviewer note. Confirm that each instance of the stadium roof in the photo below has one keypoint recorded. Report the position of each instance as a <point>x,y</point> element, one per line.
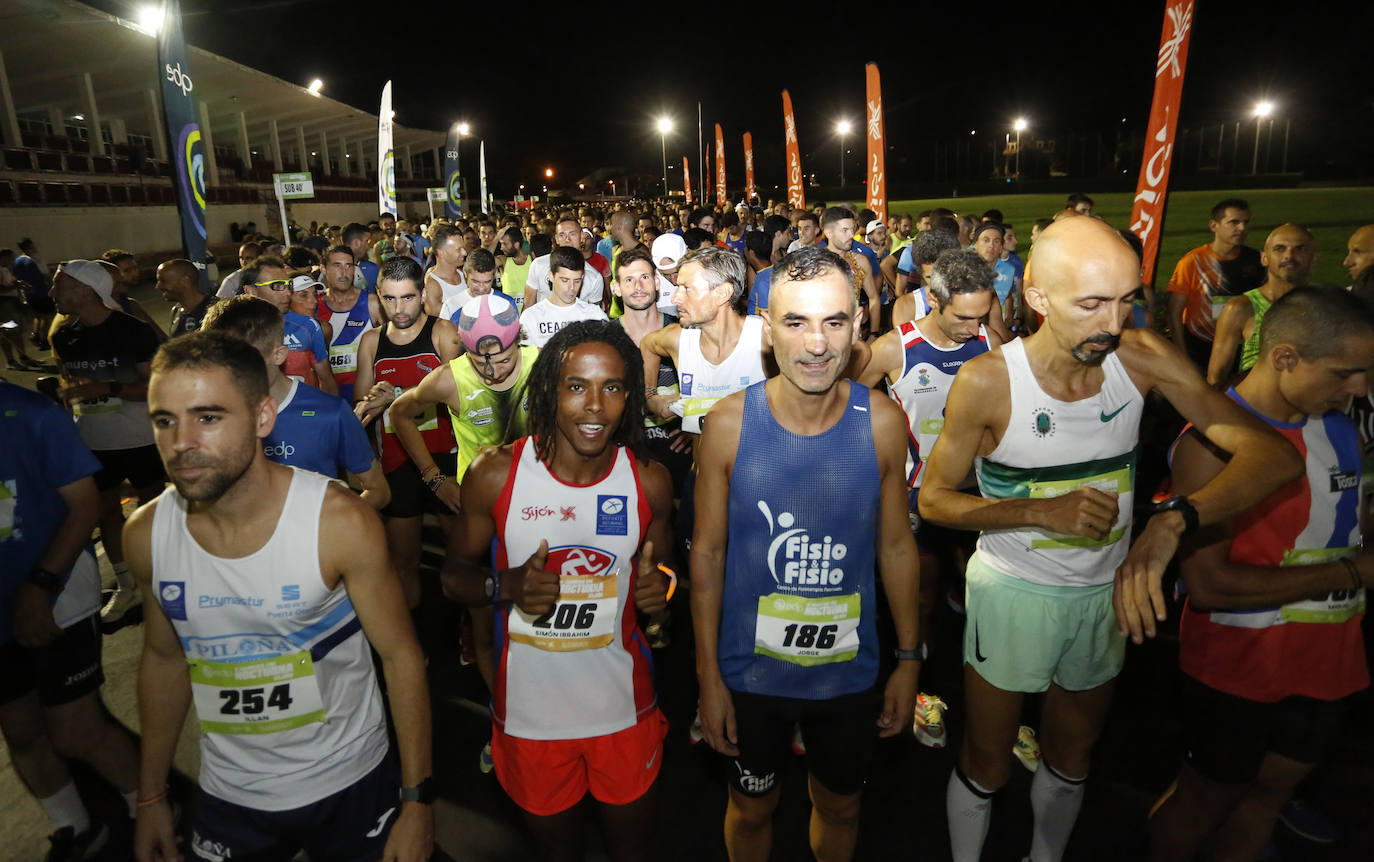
<point>47,45</point>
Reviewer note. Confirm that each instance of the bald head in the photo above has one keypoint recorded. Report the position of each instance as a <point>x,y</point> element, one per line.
<point>1288,254</point>
<point>178,280</point>
<point>1359,251</point>
<point>1083,279</point>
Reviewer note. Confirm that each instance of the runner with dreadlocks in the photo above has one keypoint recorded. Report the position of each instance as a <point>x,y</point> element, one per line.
<point>580,521</point>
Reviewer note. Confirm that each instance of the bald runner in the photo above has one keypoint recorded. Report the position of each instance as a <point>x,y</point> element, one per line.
<point>1054,421</point>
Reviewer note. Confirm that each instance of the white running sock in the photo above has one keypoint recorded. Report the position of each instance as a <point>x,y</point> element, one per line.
<point>1055,800</point>
<point>65,808</point>
<point>969,808</point>
<point>123,578</point>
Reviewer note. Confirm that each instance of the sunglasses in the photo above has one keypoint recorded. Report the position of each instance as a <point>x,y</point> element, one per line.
<point>278,285</point>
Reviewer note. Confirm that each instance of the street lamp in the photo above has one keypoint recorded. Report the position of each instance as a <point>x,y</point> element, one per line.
<point>842,128</point>
<point>664,125</point>
<point>315,87</point>
<point>1262,110</point>
<point>1020,126</point>
<point>548,173</point>
<point>150,19</point>
<point>612,184</point>
<point>462,129</point>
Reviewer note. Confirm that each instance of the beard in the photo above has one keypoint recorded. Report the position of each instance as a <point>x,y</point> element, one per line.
<point>219,478</point>
<point>1094,356</point>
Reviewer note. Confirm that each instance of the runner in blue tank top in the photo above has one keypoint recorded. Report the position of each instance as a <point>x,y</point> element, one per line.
<point>783,587</point>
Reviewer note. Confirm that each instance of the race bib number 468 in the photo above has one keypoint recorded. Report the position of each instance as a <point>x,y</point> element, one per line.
<point>265,696</point>
<point>808,631</point>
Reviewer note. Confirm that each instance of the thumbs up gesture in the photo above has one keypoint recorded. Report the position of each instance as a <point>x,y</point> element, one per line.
<point>533,588</point>
<point>651,589</point>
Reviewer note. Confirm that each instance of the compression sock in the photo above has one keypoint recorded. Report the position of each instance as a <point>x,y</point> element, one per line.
<point>65,808</point>
<point>1055,800</point>
<point>969,808</point>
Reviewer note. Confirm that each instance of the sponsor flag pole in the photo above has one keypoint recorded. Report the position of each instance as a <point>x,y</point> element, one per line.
<point>796,190</point>
<point>386,157</point>
<point>453,178</point>
<point>748,168</point>
<point>722,196</point>
<point>1147,211</point>
<point>877,177</point>
<point>686,179</point>
<point>186,149</point>
<point>482,169</point>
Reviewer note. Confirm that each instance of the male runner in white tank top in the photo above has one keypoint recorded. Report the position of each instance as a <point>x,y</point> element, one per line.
<point>269,635</point>
<point>1053,418</point>
<point>576,519</point>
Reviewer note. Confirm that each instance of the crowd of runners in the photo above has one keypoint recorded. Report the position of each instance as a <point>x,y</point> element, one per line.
<point>805,431</point>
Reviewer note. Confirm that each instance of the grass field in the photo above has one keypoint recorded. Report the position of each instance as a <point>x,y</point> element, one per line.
<point>1331,214</point>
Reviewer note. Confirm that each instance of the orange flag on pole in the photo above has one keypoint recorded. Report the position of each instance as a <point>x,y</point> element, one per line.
<point>1147,211</point>
<point>687,179</point>
<point>877,178</point>
<point>722,197</point>
<point>796,192</point>
<point>748,167</point>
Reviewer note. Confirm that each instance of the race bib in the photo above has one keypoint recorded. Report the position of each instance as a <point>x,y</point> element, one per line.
<point>693,410</point>
<point>264,696</point>
<point>1115,482</point>
<point>1336,607</point>
<point>426,421</point>
<point>582,618</point>
<point>94,406</point>
<point>1218,302</point>
<point>808,631</point>
<point>343,358</point>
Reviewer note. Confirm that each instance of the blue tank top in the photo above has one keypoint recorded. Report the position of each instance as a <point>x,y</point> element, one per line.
<point>798,604</point>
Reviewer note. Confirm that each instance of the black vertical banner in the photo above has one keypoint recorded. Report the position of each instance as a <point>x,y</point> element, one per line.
<point>453,180</point>
<point>185,149</point>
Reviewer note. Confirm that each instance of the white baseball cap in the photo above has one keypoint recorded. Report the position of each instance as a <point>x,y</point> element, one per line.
<point>667,250</point>
<point>304,282</point>
<point>94,275</point>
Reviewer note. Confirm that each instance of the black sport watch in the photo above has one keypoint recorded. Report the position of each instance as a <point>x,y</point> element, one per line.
<point>45,580</point>
<point>918,654</point>
<point>1181,505</point>
<point>423,793</point>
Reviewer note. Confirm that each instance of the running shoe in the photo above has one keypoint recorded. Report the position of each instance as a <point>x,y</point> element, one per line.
<point>120,604</point>
<point>68,846</point>
<point>1026,749</point>
<point>1310,822</point>
<point>484,761</point>
<point>932,709</point>
<point>798,744</point>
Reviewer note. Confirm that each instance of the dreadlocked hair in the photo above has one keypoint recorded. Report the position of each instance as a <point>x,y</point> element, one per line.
<point>542,386</point>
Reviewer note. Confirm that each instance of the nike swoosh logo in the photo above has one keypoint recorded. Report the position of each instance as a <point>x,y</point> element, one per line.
<point>381,822</point>
<point>652,758</point>
<point>1107,417</point>
<point>978,645</point>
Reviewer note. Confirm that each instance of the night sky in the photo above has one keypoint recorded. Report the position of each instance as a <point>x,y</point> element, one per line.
<point>577,88</point>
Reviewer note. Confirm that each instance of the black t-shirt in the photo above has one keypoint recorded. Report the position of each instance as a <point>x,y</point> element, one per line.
<point>184,321</point>
<point>107,352</point>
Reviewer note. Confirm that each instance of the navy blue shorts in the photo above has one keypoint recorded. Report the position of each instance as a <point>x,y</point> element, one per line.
<point>349,826</point>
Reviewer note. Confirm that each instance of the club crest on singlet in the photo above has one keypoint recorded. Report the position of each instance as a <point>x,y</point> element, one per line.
<point>796,560</point>
<point>579,560</point>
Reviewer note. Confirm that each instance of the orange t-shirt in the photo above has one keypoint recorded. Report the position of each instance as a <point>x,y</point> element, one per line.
<point>1210,282</point>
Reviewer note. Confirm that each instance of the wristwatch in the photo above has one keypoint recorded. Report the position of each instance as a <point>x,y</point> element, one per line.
<point>45,580</point>
<point>1181,505</point>
<point>918,654</point>
<point>423,793</point>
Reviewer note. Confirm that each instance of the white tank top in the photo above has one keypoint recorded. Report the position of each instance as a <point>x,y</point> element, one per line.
<point>583,669</point>
<point>1050,448</point>
<point>927,373</point>
<point>703,384</point>
<point>450,289</point>
<point>281,672</point>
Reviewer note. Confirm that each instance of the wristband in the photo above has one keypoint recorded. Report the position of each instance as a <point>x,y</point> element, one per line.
<point>672,581</point>
<point>918,654</point>
<point>45,580</point>
<point>493,586</point>
<point>152,800</point>
<point>433,484</point>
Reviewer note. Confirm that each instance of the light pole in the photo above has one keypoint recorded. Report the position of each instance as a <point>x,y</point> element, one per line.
<point>665,125</point>
<point>1262,110</point>
<point>612,182</point>
<point>1020,126</point>
<point>842,128</point>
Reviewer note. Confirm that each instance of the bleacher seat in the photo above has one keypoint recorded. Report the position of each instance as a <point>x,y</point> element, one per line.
<point>7,195</point>
<point>100,194</point>
<point>102,164</point>
<point>54,194</point>
<point>29,192</point>
<point>16,159</point>
<point>48,160</point>
<point>118,194</point>
<point>78,163</point>
<point>77,194</point>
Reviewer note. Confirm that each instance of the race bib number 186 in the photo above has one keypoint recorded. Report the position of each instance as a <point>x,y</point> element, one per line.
<point>808,631</point>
